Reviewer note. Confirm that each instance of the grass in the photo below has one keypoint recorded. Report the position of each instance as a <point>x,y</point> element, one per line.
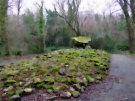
<point>56,72</point>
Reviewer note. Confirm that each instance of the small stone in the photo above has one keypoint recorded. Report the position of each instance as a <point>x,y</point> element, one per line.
<point>21,83</point>
<point>98,77</point>
<point>62,71</point>
<point>77,87</point>
<point>9,88</point>
<point>72,89</point>
<point>65,95</point>
<point>49,80</point>
<point>84,81</point>
<point>90,79</point>
<point>76,80</point>
<point>28,90</point>
<point>75,93</point>
<point>50,91</point>
<point>28,83</point>
<point>58,88</point>
<point>16,98</point>
<point>51,98</point>
<point>82,89</point>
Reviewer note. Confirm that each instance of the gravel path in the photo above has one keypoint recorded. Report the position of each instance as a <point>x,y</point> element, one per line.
<point>119,85</point>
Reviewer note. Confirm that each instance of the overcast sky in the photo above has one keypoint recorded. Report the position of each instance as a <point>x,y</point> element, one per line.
<point>96,6</point>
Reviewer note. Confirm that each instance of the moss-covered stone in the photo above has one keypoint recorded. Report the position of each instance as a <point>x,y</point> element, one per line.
<point>19,91</point>
<point>99,77</point>
<point>50,91</point>
<point>77,87</point>
<point>46,86</point>
<point>75,93</point>
<point>76,80</point>
<point>9,82</point>
<point>10,72</point>
<point>56,69</point>
<point>11,93</point>
<point>8,89</point>
<point>65,94</point>
<point>28,90</point>
<point>15,98</point>
<point>82,89</point>
<point>58,88</point>
<point>90,79</point>
<point>49,80</point>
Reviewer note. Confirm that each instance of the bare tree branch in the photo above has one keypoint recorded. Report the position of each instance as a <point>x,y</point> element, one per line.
<point>69,11</point>
<point>18,4</point>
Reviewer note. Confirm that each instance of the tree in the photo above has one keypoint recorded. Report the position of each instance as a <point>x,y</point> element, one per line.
<point>41,26</point>
<point>71,15</point>
<point>58,33</point>
<point>18,4</point>
<point>31,33</point>
<point>3,34</point>
<point>127,6</point>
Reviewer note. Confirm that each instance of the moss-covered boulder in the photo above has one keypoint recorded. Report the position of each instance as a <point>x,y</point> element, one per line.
<point>81,41</point>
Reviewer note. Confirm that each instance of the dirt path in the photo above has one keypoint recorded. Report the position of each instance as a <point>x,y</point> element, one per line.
<point>8,60</point>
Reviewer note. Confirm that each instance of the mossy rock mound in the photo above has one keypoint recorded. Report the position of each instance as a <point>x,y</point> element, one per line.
<point>56,72</point>
<point>81,41</point>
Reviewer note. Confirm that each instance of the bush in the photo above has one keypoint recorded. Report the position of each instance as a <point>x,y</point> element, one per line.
<point>109,44</point>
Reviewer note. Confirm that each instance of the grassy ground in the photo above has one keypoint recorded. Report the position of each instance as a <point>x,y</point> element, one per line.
<point>65,73</point>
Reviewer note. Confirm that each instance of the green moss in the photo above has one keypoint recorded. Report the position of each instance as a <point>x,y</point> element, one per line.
<point>50,91</point>
<point>11,93</point>
<point>90,79</point>
<point>82,39</point>
<point>1,85</point>
<point>57,71</point>
<point>76,80</point>
<point>69,80</point>
<point>47,86</point>
<point>62,79</point>
<point>9,82</point>
<point>49,80</point>
<point>99,77</point>
<point>75,93</point>
<point>8,89</point>
<point>95,60</point>
<point>58,88</point>
<point>10,72</point>
<point>19,91</point>
<point>82,89</point>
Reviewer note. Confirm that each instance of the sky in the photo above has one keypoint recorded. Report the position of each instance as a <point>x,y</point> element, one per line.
<point>95,6</point>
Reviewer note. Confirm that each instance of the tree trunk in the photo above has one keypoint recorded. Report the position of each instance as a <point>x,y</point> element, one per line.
<point>130,35</point>
<point>132,6</point>
<point>78,33</point>
<point>130,26</point>
<point>3,31</point>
